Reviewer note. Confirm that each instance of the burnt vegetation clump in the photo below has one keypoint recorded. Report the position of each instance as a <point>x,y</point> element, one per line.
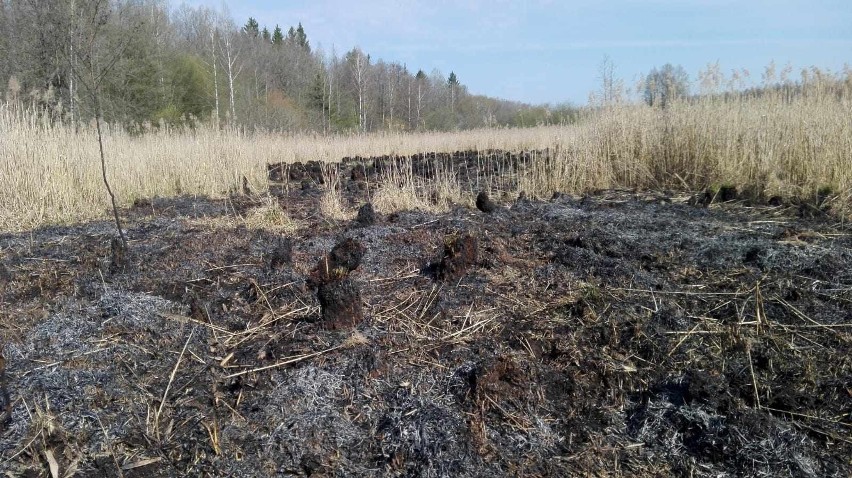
<point>366,215</point>
<point>339,294</point>
<point>459,254</point>
<point>340,301</point>
<point>484,203</point>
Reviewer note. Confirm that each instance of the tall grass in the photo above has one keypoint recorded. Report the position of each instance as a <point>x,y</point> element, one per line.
<point>771,144</point>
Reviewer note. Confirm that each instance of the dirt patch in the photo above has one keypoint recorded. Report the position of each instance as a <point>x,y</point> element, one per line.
<point>620,333</point>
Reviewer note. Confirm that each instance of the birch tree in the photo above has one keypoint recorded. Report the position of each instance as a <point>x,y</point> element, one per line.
<point>233,67</point>
<point>359,64</point>
<point>422,82</point>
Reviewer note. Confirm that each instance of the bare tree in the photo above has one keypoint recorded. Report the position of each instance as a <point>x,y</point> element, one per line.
<point>232,68</point>
<point>410,78</point>
<point>665,85</point>
<point>612,89</point>
<point>96,65</point>
<point>359,64</point>
<point>72,63</point>
<point>422,84</point>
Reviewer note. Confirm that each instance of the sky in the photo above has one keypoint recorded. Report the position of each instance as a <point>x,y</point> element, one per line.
<point>548,51</point>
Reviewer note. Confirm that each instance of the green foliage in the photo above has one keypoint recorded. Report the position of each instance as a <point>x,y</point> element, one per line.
<point>302,38</point>
<point>346,119</point>
<point>158,67</point>
<point>132,88</point>
<point>170,114</point>
<point>190,87</point>
<point>453,80</point>
<point>318,96</point>
<point>252,28</point>
<point>440,119</point>
<point>545,115</point>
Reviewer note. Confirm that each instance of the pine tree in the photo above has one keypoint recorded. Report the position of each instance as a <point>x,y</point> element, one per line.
<point>453,84</point>
<point>267,37</point>
<point>252,28</point>
<point>302,38</point>
<point>277,36</point>
<point>453,80</point>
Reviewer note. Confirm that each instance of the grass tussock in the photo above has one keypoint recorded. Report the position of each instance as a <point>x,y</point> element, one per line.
<point>401,189</point>
<point>767,145</point>
<point>267,215</point>
<point>332,205</point>
<point>270,216</point>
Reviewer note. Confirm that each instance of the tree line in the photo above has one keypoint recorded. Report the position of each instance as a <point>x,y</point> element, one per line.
<point>157,65</point>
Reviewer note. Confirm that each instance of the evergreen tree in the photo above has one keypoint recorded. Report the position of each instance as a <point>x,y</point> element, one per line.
<point>452,81</point>
<point>453,84</point>
<point>318,94</point>
<point>267,37</point>
<point>277,36</point>
<point>252,28</point>
<point>302,38</point>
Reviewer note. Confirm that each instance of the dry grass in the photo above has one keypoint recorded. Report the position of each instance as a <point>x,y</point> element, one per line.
<point>401,189</point>
<point>266,215</point>
<point>332,205</point>
<point>768,145</point>
<point>270,216</point>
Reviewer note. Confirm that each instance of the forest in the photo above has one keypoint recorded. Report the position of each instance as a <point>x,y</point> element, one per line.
<point>154,63</point>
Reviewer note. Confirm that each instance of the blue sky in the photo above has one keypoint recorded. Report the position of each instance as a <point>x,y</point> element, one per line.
<point>547,51</point>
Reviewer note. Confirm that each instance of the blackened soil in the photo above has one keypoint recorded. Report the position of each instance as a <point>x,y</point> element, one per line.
<point>615,334</point>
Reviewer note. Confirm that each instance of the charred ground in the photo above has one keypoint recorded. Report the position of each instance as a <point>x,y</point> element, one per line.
<point>617,333</point>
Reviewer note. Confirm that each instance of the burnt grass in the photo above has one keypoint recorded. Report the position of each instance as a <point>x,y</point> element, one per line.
<point>613,334</point>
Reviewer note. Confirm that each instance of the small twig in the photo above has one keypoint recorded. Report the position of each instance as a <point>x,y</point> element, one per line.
<point>759,312</point>
<point>798,313</point>
<point>44,259</point>
<point>141,463</point>
<point>293,359</point>
<point>753,379</point>
<point>60,362</point>
<point>171,380</point>
<point>838,422</point>
<point>213,434</point>
<point>424,223</point>
<point>232,266</point>
<point>688,334</point>
<point>385,279</point>
<point>472,327</point>
<point>647,291</point>
<point>109,447</point>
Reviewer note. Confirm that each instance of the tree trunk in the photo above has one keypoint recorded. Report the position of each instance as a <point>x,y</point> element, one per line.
<point>409,103</point>
<point>215,75</point>
<point>231,81</point>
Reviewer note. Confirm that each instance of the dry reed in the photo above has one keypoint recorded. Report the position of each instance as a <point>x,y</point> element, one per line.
<point>767,145</point>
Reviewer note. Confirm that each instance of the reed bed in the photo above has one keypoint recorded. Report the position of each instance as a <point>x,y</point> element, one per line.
<point>767,145</point>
